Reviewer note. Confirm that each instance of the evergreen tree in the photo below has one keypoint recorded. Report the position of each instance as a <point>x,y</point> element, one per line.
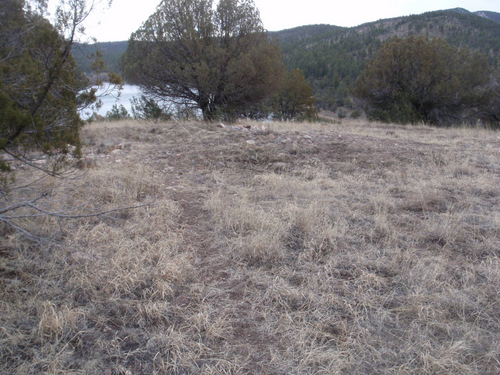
<point>38,85</point>
<point>425,80</point>
<point>40,94</point>
<point>296,99</point>
<point>220,60</point>
<point>41,89</point>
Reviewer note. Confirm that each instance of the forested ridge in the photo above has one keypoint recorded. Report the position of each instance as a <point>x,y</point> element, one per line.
<point>84,54</point>
<point>332,57</point>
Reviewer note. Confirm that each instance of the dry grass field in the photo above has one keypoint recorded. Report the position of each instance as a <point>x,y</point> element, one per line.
<point>349,248</point>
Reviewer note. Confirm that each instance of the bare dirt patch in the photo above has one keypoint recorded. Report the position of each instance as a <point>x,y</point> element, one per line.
<point>286,249</point>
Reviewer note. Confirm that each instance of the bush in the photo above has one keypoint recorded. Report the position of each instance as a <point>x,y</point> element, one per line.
<point>355,114</point>
<point>419,80</point>
<point>296,100</point>
<point>117,113</point>
<point>146,108</point>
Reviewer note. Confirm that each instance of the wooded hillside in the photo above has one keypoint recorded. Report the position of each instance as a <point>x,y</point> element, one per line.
<point>84,54</point>
<point>332,57</point>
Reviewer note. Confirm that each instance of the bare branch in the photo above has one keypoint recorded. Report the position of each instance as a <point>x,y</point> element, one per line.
<point>31,164</point>
<point>9,220</point>
<point>21,204</point>
<point>60,214</point>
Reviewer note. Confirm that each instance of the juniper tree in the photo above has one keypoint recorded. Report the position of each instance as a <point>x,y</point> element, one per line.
<point>217,58</point>
<point>40,95</point>
<point>425,80</point>
<point>296,99</point>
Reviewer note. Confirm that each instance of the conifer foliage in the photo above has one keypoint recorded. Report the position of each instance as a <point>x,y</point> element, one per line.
<point>426,80</point>
<point>217,58</point>
<point>39,83</point>
<point>41,93</point>
<point>296,99</point>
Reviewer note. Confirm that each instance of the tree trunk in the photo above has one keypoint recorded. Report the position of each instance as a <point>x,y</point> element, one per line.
<point>207,109</point>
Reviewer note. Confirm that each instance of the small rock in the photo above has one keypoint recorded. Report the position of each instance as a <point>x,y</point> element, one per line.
<point>124,146</point>
<point>251,142</point>
<point>259,129</point>
<point>307,136</point>
<point>107,146</point>
<point>221,125</point>
<point>116,151</point>
<point>118,160</point>
<point>220,164</point>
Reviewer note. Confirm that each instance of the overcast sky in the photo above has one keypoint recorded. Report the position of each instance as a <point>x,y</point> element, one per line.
<point>126,16</point>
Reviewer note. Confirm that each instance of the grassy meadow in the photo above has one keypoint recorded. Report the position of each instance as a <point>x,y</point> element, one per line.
<point>287,248</point>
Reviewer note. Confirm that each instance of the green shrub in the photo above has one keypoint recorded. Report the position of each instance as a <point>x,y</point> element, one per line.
<point>117,113</point>
<point>419,80</point>
<point>146,108</point>
<point>355,114</point>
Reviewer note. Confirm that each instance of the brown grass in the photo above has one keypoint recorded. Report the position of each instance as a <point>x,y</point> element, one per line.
<point>350,248</point>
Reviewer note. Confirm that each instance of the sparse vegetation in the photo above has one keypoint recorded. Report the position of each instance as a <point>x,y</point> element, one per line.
<point>183,247</point>
<point>295,249</point>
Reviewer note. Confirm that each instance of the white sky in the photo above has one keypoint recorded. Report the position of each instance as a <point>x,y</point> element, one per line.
<point>126,16</point>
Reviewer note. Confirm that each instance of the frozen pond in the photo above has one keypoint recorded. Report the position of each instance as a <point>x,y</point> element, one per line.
<point>128,92</point>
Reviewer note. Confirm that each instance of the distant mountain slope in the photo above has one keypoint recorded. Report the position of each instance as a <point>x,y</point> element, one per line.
<point>332,57</point>
<point>111,53</point>
<point>308,33</point>
<point>490,15</point>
